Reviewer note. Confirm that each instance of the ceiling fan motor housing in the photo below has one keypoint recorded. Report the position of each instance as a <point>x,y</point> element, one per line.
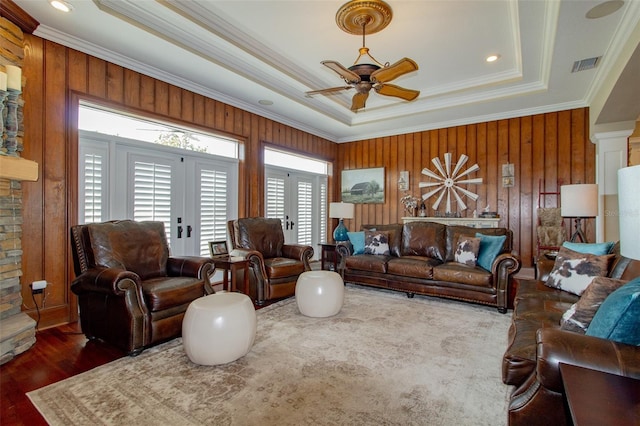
<point>364,70</point>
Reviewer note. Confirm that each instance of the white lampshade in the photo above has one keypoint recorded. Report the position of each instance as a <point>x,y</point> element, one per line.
<point>341,210</point>
<point>580,200</point>
<point>629,214</point>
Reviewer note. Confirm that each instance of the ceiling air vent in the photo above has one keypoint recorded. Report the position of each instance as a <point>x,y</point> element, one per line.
<point>585,64</point>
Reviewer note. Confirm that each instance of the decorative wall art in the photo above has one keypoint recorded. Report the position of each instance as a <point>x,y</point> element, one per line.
<point>363,186</point>
<point>447,181</point>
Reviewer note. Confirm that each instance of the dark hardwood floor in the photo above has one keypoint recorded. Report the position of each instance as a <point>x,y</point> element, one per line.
<point>58,353</point>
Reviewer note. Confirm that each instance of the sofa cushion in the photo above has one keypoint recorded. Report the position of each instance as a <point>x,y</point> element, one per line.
<point>412,266</point>
<point>368,262</point>
<point>490,247</point>
<point>467,250</point>
<point>395,235</point>
<point>139,247</point>
<point>574,271</point>
<point>527,289</point>
<point>578,317</point>
<point>454,272</point>
<point>592,248</point>
<point>376,242</point>
<point>283,267</point>
<point>167,292</point>
<point>529,314</point>
<point>357,241</point>
<point>424,239</point>
<point>618,318</point>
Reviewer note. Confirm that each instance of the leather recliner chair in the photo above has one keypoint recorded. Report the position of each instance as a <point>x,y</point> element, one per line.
<point>274,265</point>
<point>131,293</point>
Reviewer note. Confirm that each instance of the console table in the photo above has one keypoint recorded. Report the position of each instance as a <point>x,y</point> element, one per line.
<point>474,222</point>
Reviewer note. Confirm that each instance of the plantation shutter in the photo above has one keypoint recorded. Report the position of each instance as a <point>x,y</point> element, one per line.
<point>275,198</point>
<point>213,207</point>
<point>152,193</point>
<point>92,182</point>
<point>323,211</point>
<point>304,225</point>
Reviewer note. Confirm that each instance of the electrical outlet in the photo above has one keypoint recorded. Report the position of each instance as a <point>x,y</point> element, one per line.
<point>37,287</point>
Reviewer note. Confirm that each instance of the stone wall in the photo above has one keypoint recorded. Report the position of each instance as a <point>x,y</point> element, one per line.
<point>17,329</point>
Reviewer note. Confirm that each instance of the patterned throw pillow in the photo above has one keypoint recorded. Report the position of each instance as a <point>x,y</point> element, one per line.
<point>467,250</point>
<point>579,316</point>
<point>574,271</point>
<point>376,242</point>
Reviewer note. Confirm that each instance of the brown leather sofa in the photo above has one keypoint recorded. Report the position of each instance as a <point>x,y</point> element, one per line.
<point>537,346</point>
<point>131,293</point>
<point>274,265</point>
<point>421,261</point>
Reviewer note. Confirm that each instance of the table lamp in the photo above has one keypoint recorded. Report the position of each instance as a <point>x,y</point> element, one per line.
<point>629,211</point>
<point>579,201</point>
<point>341,211</point>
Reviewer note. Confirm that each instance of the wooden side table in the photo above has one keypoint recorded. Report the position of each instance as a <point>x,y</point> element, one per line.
<point>231,265</point>
<point>599,398</point>
<point>329,257</point>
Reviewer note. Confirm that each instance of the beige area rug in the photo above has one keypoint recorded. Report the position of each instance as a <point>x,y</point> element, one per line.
<point>384,359</point>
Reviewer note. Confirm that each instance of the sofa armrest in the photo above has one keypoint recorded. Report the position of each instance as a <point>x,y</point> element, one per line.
<point>504,267</point>
<point>300,252</point>
<point>107,281</point>
<point>555,346</point>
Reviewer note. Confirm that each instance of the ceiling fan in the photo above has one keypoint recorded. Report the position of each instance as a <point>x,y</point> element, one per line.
<point>354,17</point>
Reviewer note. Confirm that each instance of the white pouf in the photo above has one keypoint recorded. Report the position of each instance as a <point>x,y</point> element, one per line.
<point>319,293</point>
<point>219,328</point>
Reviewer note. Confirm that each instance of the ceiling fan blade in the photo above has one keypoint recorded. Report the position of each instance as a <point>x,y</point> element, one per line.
<point>348,75</point>
<point>359,100</point>
<point>397,91</point>
<point>328,91</point>
<point>393,71</point>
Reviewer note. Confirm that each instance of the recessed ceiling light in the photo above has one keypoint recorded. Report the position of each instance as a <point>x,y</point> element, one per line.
<point>61,5</point>
<point>492,58</point>
<point>604,9</point>
<point>265,102</point>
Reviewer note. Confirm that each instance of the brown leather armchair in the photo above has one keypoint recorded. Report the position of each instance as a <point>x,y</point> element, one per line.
<point>131,293</point>
<point>274,265</point>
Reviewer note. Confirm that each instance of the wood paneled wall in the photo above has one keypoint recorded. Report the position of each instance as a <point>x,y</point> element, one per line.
<point>544,148</point>
<point>57,78</point>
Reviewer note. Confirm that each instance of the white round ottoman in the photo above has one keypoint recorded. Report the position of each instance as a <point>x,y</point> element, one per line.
<point>219,328</point>
<point>319,293</point>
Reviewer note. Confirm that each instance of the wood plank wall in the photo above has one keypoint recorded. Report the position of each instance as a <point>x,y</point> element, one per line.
<point>57,78</point>
<point>544,148</point>
<point>547,146</point>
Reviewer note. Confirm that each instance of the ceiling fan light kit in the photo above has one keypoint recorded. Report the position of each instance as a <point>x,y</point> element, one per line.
<point>362,17</point>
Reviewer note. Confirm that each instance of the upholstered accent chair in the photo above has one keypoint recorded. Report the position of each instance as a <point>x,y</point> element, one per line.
<point>131,292</point>
<point>274,265</point>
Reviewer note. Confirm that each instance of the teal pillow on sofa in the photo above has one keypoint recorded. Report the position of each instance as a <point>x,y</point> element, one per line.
<point>590,248</point>
<point>490,248</point>
<point>357,240</point>
<point>618,318</point>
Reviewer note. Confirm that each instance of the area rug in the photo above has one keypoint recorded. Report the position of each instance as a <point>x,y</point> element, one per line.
<point>384,359</point>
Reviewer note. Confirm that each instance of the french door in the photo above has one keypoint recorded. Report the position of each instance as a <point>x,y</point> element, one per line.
<point>299,200</point>
<point>192,193</point>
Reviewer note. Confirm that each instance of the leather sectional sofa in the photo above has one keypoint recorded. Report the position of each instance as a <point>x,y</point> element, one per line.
<point>421,261</point>
<point>537,345</point>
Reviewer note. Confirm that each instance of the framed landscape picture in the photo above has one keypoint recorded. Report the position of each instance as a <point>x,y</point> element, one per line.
<point>362,186</point>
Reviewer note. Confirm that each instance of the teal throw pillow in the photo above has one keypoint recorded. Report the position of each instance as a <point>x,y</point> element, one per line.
<point>618,318</point>
<point>594,248</point>
<point>490,248</point>
<point>357,240</point>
